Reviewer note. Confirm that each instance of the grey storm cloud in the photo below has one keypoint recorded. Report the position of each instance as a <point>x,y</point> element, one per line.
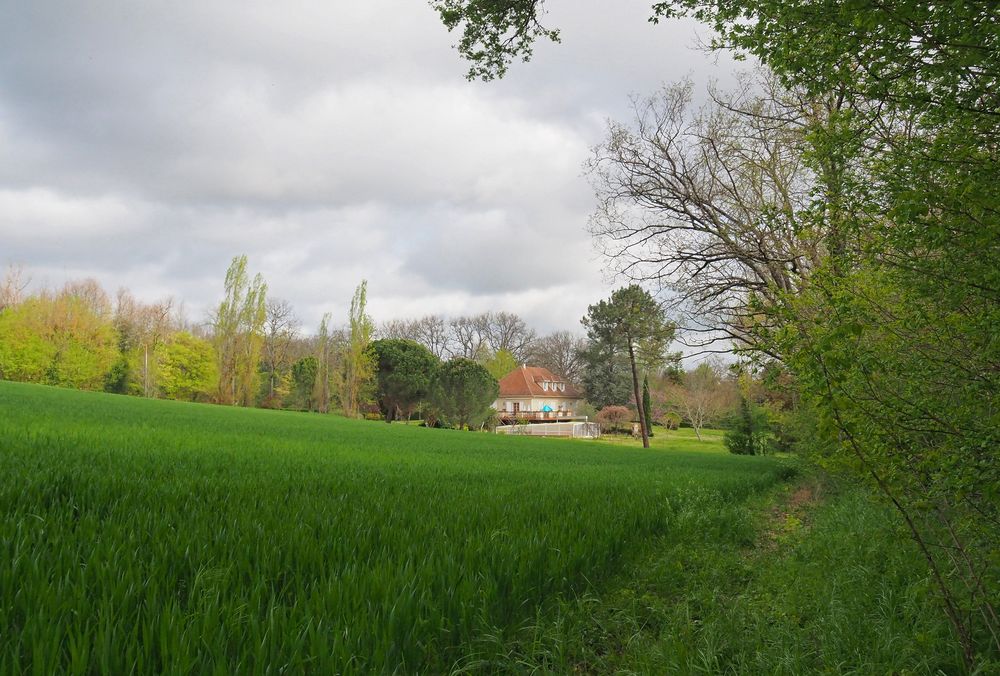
<point>146,144</point>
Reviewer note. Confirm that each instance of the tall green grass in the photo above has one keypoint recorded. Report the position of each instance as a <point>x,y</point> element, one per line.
<point>834,588</point>
<point>159,536</point>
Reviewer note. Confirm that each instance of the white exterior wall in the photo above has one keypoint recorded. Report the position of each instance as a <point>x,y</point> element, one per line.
<point>536,404</point>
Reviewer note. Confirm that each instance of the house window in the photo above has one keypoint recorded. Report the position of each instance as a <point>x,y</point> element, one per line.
<point>517,407</point>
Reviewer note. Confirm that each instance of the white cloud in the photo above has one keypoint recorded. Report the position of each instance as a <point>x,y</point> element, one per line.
<point>145,145</point>
<point>34,215</point>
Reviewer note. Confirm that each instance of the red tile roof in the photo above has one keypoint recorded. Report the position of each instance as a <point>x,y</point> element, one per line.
<point>526,381</point>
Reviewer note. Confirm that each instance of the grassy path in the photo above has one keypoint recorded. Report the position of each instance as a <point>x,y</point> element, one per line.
<point>810,577</point>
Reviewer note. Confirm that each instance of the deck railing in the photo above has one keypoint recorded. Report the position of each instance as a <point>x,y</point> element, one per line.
<point>538,415</point>
<point>587,430</point>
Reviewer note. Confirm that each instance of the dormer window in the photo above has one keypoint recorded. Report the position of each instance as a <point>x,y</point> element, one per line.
<point>562,387</point>
<point>545,385</point>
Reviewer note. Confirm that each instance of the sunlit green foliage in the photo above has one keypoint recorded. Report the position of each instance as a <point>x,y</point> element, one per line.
<point>500,363</point>
<point>238,334</point>
<point>359,368</point>
<point>58,340</point>
<point>187,368</point>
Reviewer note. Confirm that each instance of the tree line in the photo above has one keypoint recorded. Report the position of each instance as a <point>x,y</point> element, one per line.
<point>252,350</point>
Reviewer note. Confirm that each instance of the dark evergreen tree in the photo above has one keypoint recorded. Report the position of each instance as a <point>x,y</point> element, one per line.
<point>304,381</point>
<point>606,377</point>
<point>463,391</point>
<point>404,372</point>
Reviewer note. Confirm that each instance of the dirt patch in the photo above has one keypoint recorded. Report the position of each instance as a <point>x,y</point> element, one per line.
<point>804,496</point>
<point>789,519</point>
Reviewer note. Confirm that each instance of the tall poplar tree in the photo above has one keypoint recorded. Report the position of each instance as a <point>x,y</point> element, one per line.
<point>238,334</point>
<point>323,355</point>
<point>359,367</point>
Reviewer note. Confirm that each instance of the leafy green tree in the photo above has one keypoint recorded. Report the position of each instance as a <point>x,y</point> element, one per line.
<point>494,33</point>
<point>463,392</point>
<point>500,363</point>
<point>629,319</point>
<point>188,368</point>
<point>25,354</point>
<point>117,378</point>
<point>404,375</point>
<point>57,340</point>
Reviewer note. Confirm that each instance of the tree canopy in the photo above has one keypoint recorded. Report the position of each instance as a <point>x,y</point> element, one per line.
<point>494,32</point>
<point>404,374</point>
<point>463,391</point>
<point>188,368</point>
<point>57,340</point>
<point>633,321</point>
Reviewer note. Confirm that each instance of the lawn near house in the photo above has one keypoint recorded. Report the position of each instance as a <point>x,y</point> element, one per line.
<point>683,439</point>
<point>156,536</point>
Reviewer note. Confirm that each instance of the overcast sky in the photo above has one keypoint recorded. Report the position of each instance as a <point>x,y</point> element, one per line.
<point>146,144</point>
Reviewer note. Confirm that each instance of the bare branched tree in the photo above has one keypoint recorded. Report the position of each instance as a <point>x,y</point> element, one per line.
<point>13,286</point>
<point>141,327</point>
<point>471,336</point>
<point>562,353</point>
<point>91,293</point>
<point>702,396</point>
<point>468,335</point>
<point>704,202</point>
<point>507,331</point>
<point>432,332</point>
<point>281,326</point>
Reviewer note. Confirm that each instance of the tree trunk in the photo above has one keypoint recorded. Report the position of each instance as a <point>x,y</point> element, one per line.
<point>638,399</point>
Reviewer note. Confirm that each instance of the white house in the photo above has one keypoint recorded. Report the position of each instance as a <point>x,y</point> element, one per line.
<point>535,394</point>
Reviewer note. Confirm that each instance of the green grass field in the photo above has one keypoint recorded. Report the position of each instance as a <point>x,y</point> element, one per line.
<point>153,536</point>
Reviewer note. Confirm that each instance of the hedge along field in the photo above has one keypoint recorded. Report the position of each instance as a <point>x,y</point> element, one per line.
<point>142,535</point>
